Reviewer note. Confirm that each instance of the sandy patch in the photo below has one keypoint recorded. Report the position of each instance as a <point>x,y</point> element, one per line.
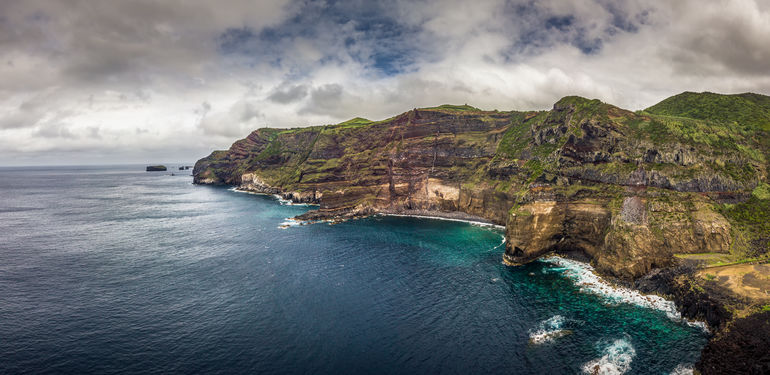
<point>747,280</point>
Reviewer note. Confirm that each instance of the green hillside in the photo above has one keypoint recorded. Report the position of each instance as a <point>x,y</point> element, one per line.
<point>748,109</point>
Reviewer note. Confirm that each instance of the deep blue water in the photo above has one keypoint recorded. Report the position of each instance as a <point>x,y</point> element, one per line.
<point>116,270</point>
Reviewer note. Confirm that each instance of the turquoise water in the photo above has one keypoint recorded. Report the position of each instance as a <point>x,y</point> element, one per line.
<point>116,270</point>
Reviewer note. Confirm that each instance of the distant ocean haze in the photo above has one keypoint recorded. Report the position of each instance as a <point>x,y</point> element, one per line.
<point>117,270</point>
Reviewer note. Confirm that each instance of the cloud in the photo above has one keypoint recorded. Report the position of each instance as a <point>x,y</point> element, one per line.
<point>54,131</point>
<point>324,99</point>
<point>237,121</point>
<point>288,93</point>
<point>145,77</point>
<point>723,37</point>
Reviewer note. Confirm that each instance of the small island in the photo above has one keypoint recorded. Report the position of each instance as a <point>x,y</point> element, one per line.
<point>156,168</point>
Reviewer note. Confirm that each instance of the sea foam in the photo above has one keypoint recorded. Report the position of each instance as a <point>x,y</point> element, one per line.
<point>682,370</point>
<point>616,359</point>
<point>281,201</point>
<point>236,190</point>
<point>472,222</point>
<point>290,222</point>
<point>549,330</point>
<point>583,275</point>
<point>287,202</point>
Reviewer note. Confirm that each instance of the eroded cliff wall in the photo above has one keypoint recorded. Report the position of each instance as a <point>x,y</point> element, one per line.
<point>629,190</point>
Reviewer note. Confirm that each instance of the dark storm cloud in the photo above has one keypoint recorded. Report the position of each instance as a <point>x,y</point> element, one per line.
<point>103,76</point>
<point>542,25</point>
<point>366,32</point>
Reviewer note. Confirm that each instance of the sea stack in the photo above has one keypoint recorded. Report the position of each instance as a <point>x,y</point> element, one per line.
<point>156,168</point>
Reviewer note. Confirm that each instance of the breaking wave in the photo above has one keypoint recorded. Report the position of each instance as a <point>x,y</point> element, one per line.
<point>549,330</point>
<point>289,222</point>
<point>287,202</point>
<point>616,359</point>
<point>583,275</point>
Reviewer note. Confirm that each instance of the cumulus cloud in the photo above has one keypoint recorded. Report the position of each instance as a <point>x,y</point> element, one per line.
<point>88,81</point>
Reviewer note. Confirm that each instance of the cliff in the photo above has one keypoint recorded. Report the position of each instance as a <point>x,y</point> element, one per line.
<point>633,191</point>
<point>630,190</point>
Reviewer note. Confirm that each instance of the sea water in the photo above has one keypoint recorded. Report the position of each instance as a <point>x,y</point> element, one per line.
<point>116,270</point>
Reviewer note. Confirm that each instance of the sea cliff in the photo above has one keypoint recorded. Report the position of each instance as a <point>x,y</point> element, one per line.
<point>673,187</point>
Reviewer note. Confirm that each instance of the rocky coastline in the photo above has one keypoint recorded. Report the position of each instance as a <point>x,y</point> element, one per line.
<point>649,199</point>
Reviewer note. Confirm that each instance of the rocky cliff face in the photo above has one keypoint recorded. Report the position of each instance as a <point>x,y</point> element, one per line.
<point>416,161</point>
<point>626,236</point>
<point>629,190</point>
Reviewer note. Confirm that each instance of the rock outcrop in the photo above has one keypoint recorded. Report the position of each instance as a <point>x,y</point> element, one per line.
<point>156,168</point>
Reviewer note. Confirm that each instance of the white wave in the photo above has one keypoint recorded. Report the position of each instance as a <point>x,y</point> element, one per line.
<point>472,222</point>
<point>287,202</point>
<point>616,359</point>
<point>682,370</point>
<point>584,276</point>
<point>289,222</point>
<point>549,330</point>
<point>282,201</point>
<point>237,190</point>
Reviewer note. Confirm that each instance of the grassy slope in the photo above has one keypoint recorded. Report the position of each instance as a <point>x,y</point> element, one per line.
<point>748,110</point>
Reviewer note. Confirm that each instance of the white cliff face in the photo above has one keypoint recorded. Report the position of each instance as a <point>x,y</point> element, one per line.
<point>438,190</point>
<point>254,183</point>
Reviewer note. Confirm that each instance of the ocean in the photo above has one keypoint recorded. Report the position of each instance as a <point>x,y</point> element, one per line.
<point>111,269</point>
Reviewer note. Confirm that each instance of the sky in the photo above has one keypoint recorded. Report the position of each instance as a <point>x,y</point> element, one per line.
<point>101,82</point>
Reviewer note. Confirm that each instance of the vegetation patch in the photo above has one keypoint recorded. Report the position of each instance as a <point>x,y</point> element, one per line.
<point>518,136</point>
<point>456,108</point>
<point>751,223</point>
<point>354,123</point>
<point>761,192</point>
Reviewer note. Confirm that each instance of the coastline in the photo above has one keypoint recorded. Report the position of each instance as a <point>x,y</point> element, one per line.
<point>663,289</point>
<point>589,281</point>
<point>633,196</point>
<point>574,267</point>
<point>456,216</point>
<point>278,197</point>
<point>579,271</point>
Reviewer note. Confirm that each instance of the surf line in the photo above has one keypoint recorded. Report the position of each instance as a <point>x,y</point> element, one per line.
<point>585,277</point>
